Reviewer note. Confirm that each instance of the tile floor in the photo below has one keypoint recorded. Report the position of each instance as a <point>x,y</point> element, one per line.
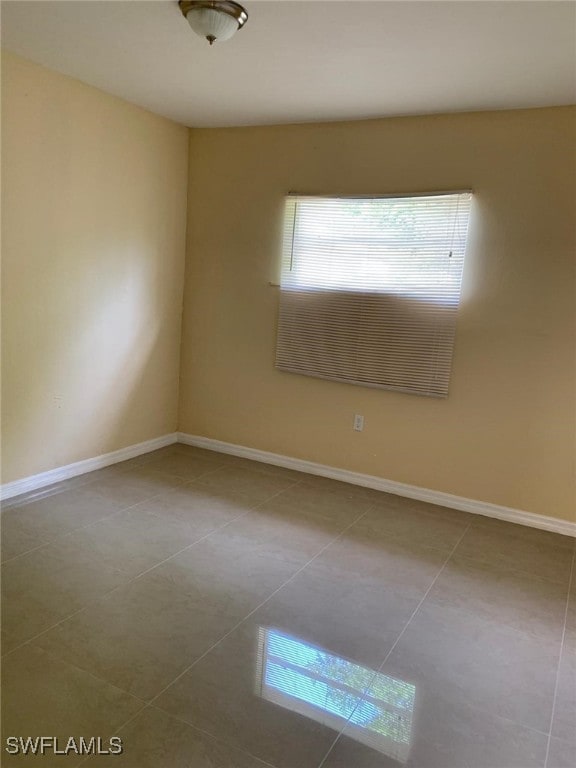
<point>218,613</point>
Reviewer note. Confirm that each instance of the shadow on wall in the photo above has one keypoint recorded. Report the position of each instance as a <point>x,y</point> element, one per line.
<point>105,360</point>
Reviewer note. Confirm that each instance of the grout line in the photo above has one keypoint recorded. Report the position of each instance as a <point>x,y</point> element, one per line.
<point>150,703</point>
<point>270,596</point>
<point>557,681</point>
<point>379,668</point>
<point>450,555</point>
<point>210,736</point>
<point>71,483</point>
<point>61,536</point>
<point>478,562</point>
<point>197,480</point>
<point>87,672</point>
<point>184,484</point>
<point>118,729</point>
<point>85,479</point>
<point>143,573</point>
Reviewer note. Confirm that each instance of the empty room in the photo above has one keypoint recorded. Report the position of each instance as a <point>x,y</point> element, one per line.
<point>288,467</point>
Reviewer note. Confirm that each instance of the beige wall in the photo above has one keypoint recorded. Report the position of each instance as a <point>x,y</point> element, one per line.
<point>94,198</point>
<point>506,434</point>
<point>93,237</point>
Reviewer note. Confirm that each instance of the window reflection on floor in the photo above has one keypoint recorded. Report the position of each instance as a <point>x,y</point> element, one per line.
<point>315,683</point>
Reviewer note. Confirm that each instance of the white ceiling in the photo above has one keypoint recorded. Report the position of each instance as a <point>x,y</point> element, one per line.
<point>308,61</point>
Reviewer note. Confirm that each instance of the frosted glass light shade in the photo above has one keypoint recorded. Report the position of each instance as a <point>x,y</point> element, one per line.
<point>212,24</point>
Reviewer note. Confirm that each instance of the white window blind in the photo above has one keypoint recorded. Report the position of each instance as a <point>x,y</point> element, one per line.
<point>370,289</point>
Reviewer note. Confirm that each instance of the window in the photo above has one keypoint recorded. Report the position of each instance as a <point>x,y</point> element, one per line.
<point>370,289</point>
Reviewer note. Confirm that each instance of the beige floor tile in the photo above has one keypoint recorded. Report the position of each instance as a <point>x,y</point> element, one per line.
<point>134,540</point>
<point>562,754</point>
<point>156,740</point>
<point>256,485</point>
<point>222,695</point>
<point>72,482</point>
<point>289,535</point>
<point>534,535</point>
<point>20,533</point>
<point>320,503</point>
<point>43,587</point>
<point>571,620</point>
<point>326,576</point>
<point>41,493</point>
<point>8,643</point>
<point>393,501</point>
<point>234,574</point>
<point>564,721</point>
<point>186,450</point>
<point>31,525</point>
<point>503,544</point>
<point>398,564</point>
<point>141,636</point>
<point>204,509</point>
<point>345,489</point>
<point>511,598</point>
<point>382,734</point>
<point>189,450</point>
<point>416,525</point>
<point>466,659</point>
<point>357,619</point>
<point>226,458</point>
<point>113,470</point>
<point>44,696</point>
<point>160,453</point>
<point>260,466</point>
<point>137,485</point>
<point>28,525</point>
<point>184,465</point>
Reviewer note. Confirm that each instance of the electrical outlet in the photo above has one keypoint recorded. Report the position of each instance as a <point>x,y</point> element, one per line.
<point>358,422</point>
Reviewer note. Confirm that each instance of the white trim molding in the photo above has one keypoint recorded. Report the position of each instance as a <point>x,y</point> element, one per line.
<point>474,506</point>
<point>34,482</point>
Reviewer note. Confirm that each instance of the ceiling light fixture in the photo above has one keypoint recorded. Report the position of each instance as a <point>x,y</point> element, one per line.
<point>214,19</point>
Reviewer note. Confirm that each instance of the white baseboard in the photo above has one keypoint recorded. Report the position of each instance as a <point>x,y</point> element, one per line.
<point>474,506</point>
<point>34,482</point>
